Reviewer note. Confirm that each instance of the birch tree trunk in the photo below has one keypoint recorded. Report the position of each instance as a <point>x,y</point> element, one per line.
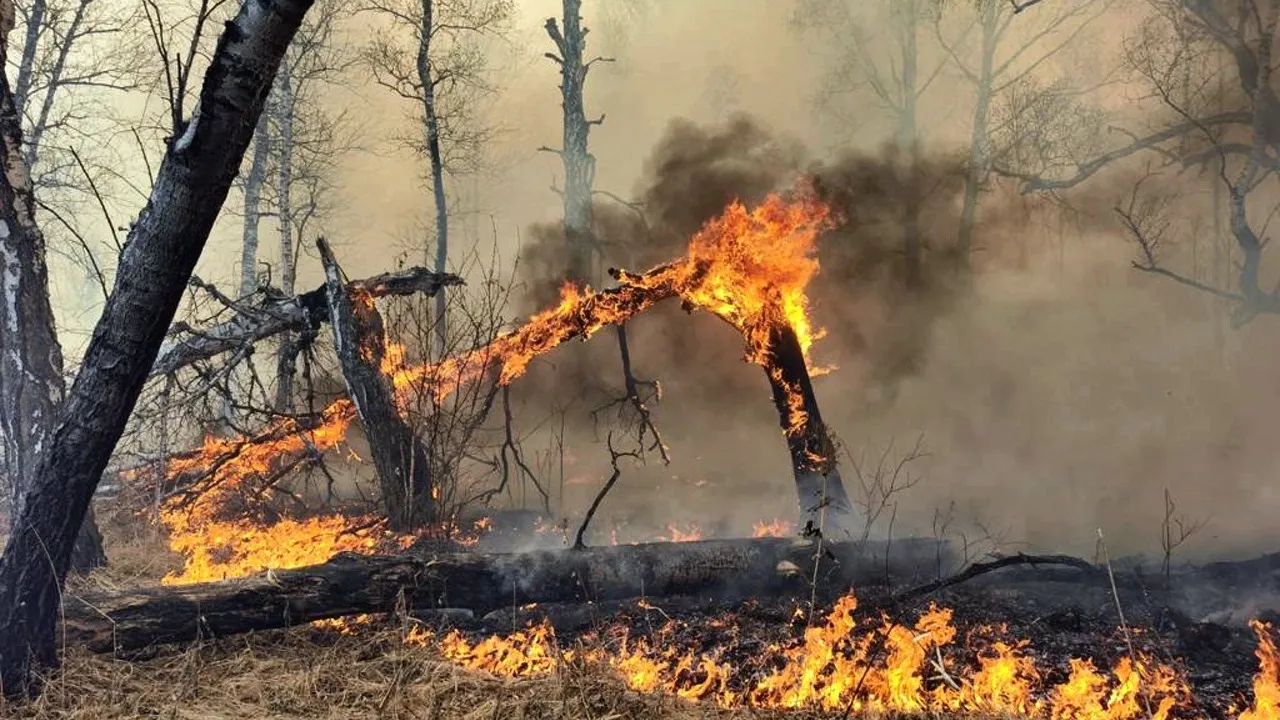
<point>253,183</point>
<point>287,353</point>
<point>431,121</point>
<point>162,249</point>
<point>31,382</point>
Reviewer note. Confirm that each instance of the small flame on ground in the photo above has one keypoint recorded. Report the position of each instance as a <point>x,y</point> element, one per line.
<point>776,527</point>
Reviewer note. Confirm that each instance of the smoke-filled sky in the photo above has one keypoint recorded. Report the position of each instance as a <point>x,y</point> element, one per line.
<point>1064,392</point>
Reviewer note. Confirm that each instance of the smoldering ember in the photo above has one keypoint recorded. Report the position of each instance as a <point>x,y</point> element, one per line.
<point>863,357</point>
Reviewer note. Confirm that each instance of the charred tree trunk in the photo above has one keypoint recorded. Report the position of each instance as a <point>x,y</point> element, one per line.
<point>31,383</point>
<point>824,504</point>
<point>431,123</point>
<point>404,474</point>
<point>351,584</point>
<point>155,267</point>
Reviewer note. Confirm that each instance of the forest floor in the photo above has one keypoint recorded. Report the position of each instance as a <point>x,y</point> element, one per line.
<point>369,671</point>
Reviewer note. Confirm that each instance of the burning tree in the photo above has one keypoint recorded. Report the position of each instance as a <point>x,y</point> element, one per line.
<point>748,267</point>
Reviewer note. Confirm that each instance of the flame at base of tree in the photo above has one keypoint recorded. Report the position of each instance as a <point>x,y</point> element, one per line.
<point>892,668</point>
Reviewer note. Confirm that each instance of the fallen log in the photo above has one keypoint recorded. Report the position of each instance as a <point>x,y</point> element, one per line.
<point>276,316</point>
<point>352,584</point>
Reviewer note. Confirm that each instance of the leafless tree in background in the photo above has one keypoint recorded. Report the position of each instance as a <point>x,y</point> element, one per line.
<point>290,174</point>
<point>897,84</point>
<point>445,81</point>
<point>999,74</point>
<point>1208,67</point>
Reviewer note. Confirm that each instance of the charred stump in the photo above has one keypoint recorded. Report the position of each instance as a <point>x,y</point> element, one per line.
<point>404,474</point>
<point>824,503</point>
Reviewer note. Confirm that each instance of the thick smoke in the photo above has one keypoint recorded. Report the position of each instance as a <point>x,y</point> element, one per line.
<point>691,176</point>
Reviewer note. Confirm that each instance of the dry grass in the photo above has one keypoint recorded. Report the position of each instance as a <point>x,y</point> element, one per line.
<point>303,674</point>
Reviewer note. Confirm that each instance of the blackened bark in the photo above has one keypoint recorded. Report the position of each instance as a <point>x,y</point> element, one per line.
<point>88,552</point>
<point>824,503</point>
<point>155,267</point>
<point>351,584</point>
<point>404,475</point>
<point>294,314</point>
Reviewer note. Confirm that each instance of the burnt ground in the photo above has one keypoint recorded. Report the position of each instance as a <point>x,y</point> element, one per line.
<point>1194,619</point>
<point>1059,620</point>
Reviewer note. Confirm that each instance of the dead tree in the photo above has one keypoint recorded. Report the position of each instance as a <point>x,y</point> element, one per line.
<point>444,82</point>
<point>274,316</point>
<point>579,163</point>
<point>579,211</point>
<point>1232,131</point>
<point>1001,70</point>
<point>31,381</point>
<point>192,183</point>
<point>404,475</point>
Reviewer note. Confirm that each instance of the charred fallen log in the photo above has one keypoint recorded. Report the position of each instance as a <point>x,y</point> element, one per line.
<point>275,316</point>
<point>404,475</point>
<point>813,455</point>
<point>353,584</point>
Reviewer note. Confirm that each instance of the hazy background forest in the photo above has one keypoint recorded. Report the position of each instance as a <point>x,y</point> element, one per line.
<point>1056,391</point>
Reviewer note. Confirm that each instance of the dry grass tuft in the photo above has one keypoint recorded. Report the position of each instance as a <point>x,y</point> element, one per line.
<point>305,674</point>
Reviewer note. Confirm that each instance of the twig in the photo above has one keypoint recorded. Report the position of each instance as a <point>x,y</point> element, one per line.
<point>614,456</point>
<point>1115,594</point>
<point>982,568</point>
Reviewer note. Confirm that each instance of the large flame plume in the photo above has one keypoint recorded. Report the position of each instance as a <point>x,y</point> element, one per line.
<point>837,667</point>
<point>750,267</point>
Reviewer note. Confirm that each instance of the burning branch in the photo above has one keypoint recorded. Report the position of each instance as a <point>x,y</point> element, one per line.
<point>276,315</point>
<point>751,268</point>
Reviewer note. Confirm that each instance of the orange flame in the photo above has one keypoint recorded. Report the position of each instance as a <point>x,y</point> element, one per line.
<point>748,267</point>
<point>831,669</point>
<point>776,527</point>
<point>1266,684</point>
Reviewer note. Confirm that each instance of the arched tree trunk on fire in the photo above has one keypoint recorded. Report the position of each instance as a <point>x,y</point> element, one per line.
<point>163,246</point>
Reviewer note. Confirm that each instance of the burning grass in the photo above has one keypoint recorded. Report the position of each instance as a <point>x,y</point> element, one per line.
<point>724,666</point>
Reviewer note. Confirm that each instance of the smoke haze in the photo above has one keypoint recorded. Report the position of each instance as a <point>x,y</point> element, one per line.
<point>1059,393</point>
